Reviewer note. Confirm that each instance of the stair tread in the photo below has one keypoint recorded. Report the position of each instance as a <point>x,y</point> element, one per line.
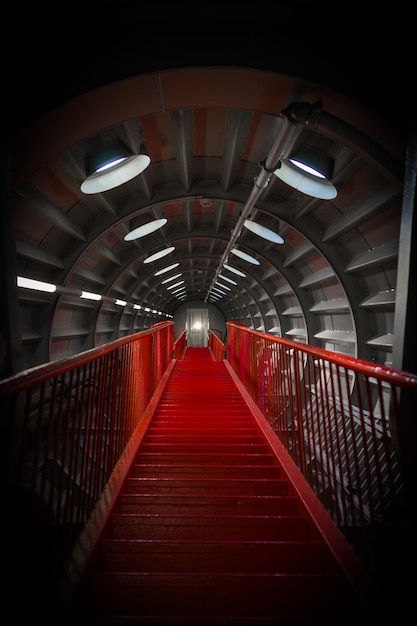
<point>208,530</point>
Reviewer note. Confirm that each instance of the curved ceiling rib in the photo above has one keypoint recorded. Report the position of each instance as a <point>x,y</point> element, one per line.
<point>331,282</point>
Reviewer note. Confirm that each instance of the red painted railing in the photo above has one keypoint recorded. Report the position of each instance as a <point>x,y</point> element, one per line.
<point>180,343</point>
<point>216,345</point>
<point>66,425</point>
<point>350,427</point>
<point>70,429</point>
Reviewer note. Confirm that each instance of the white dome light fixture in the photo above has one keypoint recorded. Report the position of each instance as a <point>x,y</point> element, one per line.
<point>113,165</point>
<point>308,171</point>
<point>159,255</point>
<point>145,229</point>
<point>245,257</point>
<point>263,231</point>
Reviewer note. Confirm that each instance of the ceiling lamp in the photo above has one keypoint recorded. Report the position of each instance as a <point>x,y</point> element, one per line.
<point>38,285</point>
<point>262,231</point>
<point>166,269</point>
<point>180,282</point>
<point>159,255</point>
<point>234,270</point>
<point>223,286</point>
<point>308,171</point>
<point>245,257</point>
<point>145,229</point>
<point>111,166</point>
<point>167,280</point>
<point>228,280</point>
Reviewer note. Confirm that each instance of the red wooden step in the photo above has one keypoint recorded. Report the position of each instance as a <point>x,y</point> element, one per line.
<point>231,486</point>
<point>202,467</point>
<point>215,556</point>
<point>210,527</point>
<point>228,459</point>
<point>207,529</point>
<point>203,504</point>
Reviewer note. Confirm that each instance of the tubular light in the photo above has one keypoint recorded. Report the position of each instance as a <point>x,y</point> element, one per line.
<point>90,296</point>
<point>38,285</point>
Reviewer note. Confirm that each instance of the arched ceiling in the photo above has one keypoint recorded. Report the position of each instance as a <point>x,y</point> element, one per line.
<point>211,124</point>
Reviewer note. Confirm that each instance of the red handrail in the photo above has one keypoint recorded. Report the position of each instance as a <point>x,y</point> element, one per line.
<point>66,426</point>
<point>349,425</point>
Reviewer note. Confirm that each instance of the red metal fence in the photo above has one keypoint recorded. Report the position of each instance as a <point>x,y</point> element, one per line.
<point>65,426</point>
<point>350,427</point>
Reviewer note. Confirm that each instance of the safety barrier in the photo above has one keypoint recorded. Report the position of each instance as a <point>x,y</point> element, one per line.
<point>350,427</point>
<point>65,427</point>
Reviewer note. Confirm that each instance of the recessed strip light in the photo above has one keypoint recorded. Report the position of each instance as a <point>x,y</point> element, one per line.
<point>234,270</point>
<point>90,296</point>
<point>120,302</point>
<point>145,229</point>
<point>38,285</point>
<point>159,255</point>
<point>245,257</point>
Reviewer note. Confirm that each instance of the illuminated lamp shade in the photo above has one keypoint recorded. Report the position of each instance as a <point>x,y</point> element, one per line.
<point>233,270</point>
<point>245,257</point>
<point>159,255</point>
<point>145,229</point>
<point>308,171</point>
<point>111,166</point>
<point>262,231</point>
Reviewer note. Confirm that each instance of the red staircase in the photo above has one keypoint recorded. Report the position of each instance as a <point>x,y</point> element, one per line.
<point>208,530</point>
